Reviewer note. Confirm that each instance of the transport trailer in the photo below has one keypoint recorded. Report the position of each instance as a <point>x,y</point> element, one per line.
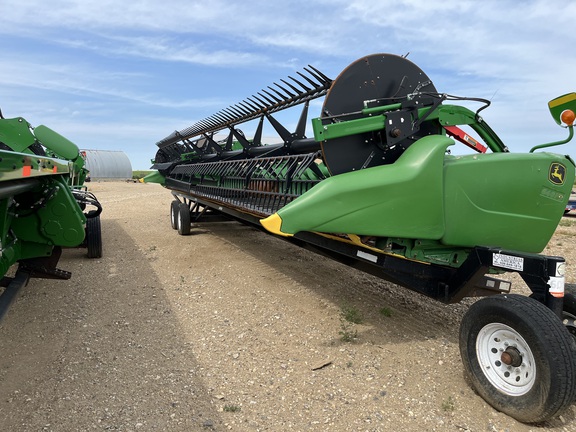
<point>44,206</point>
<point>378,188</point>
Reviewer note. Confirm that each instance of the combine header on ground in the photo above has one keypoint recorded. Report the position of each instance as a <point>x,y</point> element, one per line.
<point>43,205</point>
<point>378,188</point>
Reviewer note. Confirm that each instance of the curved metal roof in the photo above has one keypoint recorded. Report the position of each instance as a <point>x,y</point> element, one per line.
<point>107,164</point>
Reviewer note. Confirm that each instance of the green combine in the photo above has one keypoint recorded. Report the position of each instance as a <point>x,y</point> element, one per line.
<point>382,187</point>
<point>44,206</point>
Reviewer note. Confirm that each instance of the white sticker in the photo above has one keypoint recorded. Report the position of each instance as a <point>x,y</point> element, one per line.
<point>508,261</point>
<point>367,256</point>
<point>556,286</point>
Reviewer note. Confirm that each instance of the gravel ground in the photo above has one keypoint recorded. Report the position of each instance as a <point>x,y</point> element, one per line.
<point>231,329</point>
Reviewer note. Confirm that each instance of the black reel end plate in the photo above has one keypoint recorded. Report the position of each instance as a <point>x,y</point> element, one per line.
<point>372,81</point>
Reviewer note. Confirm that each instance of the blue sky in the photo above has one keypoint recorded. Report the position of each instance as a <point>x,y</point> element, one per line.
<point>115,75</point>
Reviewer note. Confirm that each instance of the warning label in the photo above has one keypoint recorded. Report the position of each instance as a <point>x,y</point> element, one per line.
<point>508,262</point>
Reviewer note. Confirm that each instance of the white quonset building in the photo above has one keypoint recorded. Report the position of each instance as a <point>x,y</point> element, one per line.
<point>107,164</point>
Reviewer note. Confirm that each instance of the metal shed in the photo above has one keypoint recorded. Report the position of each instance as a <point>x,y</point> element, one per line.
<point>107,164</point>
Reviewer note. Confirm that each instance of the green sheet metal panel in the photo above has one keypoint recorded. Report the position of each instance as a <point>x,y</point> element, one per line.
<point>399,200</point>
<point>508,200</point>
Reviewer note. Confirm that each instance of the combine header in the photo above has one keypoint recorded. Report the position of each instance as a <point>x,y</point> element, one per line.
<point>377,188</point>
<point>43,205</point>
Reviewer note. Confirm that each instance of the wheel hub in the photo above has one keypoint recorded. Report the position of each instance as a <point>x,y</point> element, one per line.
<point>511,357</point>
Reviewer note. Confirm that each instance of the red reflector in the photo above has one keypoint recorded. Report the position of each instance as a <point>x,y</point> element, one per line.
<point>26,170</point>
<point>464,138</point>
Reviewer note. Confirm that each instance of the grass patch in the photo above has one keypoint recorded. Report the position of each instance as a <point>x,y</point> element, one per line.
<point>351,314</point>
<point>231,408</point>
<point>448,405</point>
<point>347,331</point>
<point>386,312</point>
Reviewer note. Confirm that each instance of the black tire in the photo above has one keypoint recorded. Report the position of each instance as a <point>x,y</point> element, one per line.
<point>569,309</point>
<point>94,237</point>
<point>183,219</point>
<point>519,357</point>
<point>174,206</point>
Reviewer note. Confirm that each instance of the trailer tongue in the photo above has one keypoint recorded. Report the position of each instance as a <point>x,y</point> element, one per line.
<point>377,188</point>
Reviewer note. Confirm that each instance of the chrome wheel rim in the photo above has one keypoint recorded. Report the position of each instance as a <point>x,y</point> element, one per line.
<point>506,359</point>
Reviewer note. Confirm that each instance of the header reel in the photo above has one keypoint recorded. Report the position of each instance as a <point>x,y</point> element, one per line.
<point>197,141</point>
<point>369,85</point>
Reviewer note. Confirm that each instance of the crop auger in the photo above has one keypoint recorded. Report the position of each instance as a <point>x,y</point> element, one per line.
<point>377,188</point>
<point>44,205</point>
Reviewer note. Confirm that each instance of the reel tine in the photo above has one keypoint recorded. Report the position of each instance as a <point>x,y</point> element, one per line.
<point>230,112</point>
<point>278,93</point>
<point>290,94</point>
<point>308,79</point>
<point>212,122</point>
<point>256,104</point>
<point>291,86</point>
<point>318,75</point>
<point>247,110</point>
<point>225,119</point>
<point>305,87</point>
<point>270,101</point>
<point>219,118</point>
<point>273,97</point>
<point>255,108</point>
<point>237,109</point>
<point>247,106</point>
<point>222,115</point>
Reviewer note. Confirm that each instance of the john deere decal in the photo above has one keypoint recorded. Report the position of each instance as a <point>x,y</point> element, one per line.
<point>557,173</point>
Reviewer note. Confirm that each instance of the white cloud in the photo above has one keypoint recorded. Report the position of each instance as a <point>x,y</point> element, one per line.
<point>133,58</point>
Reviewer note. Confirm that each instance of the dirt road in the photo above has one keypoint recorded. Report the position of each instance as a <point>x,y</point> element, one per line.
<point>230,329</point>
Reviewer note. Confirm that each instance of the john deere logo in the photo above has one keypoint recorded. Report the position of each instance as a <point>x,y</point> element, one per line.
<point>557,173</point>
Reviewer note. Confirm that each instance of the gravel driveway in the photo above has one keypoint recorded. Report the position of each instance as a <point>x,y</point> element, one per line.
<point>231,329</point>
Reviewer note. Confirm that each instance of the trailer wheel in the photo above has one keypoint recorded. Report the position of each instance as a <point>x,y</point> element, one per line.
<point>569,309</point>
<point>174,206</point>
<point>183,219</point>
<point>94,237</point>
<point>519,357</point>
